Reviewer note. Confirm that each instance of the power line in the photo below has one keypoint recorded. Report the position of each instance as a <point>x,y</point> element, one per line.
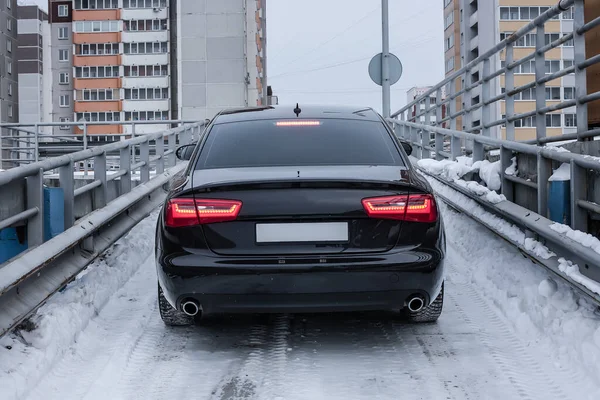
<point>326,42</point>
<point>339,64</point>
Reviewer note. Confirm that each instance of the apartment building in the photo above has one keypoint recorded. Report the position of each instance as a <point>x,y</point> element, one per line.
<point>32,57</point>
<point>415,93</point>
<point>220,59</point>
<point>153,60</point>
<point>479,25</point>
<point>9,91</point>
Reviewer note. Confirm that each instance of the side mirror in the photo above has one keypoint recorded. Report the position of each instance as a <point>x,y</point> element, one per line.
<point>184,153</point>
<point>407,148</point>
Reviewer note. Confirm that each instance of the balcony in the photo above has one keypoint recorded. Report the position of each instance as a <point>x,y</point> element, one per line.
<point>146,105</point>
<point>96,15</point>
<point>146,82</point>
<point>97,83</point>
<point>144,13</point>
<point>146,59</point>
<point>474,43</point>
<point>92,106</point>
<point>101,130</point>
<point>84,61</point>
<point>99,37</point>
<point>145,36</point>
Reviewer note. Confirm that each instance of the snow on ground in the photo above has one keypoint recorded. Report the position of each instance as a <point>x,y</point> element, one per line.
<point>508,331</point>
<point>26,357</point>
<point>453,171</point>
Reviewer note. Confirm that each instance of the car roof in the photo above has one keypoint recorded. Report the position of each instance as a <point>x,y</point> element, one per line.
<point>288,112</point>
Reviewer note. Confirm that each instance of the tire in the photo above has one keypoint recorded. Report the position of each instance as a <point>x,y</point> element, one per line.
<point>430,313</point>
<point>171,316</point>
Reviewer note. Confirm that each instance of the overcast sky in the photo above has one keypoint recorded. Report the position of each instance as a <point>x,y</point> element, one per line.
<point>319,50</point>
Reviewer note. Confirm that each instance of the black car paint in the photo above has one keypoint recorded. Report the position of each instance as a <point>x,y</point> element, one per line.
<point>301,278</point>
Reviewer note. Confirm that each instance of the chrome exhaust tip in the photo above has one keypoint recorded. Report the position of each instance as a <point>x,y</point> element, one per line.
<point>416,304</point>
<point>190,307</point>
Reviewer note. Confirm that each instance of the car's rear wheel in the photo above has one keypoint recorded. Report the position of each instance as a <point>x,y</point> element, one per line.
<point>430,313</point>
<point>171,316</point>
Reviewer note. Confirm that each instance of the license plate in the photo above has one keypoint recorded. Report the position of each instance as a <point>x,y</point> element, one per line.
<point>302,232</point>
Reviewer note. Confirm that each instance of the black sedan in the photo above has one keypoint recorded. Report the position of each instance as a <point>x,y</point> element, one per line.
<point>299,209</point>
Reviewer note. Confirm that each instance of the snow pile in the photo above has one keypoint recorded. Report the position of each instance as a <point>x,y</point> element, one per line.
<point>562,173</point>
<point>453,171</point>
<point>572,271</point>
<point>490,173</point>
<point>512,170</point>
<point>585,239</point>
<point>538,249</point>
<point>27,356</point>
<point>548,313</point>
<point>556,148</point>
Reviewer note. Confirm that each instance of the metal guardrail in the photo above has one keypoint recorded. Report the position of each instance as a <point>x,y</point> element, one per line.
<point>477,138</point>
<point>26,143</point>
<point>30,278</point>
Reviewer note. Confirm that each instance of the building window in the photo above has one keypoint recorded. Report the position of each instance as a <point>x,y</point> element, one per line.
<point>9,67</point>
<point>552,66</point>
<point>450,42</point>
<point>97,72</point>
<point>145,48</point>
<point>63,33</point>
<point>96,26</point>
<point>10,89</point>
<point>551,37</point>
<point>145,25</point>
<point>569,93</point>
<point>135,71</point>
<point>450,64</point>
<point>63,78</point>
<point>8,3</point>
<point>449,20</point>
<point>65,100</point>
<point>63,10</point>
<point>63,55</point>
<point>99,116</point>
<point>553,120</point>
<point>553,93</point>
<point>10,111</point>
<point>97,49</point>
<point>569,14</point>
<point>96,4</point>
<point>571,120</point>
<point>147,94</point>
<point>9,23</point>
<point>64,119</point>
<point>147,116</point>
<point>9,45</point>
<point>98,94</point>
<point>522,13</point>
<point>144,3</point>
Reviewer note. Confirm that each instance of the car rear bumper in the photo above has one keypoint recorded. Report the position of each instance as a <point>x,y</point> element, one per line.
<point>300,288</point>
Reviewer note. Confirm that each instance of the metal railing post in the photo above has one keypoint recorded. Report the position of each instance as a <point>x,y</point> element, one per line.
<point>439,138</point>
<point>425,135</point>
<point>67,183</point>
<point>100,193</point>
<point>145,157</point>
<point>85,146</point>
<point>509,85</point>
<point>508,189</point>
<point>35,199</point>
<point>126,166</point>
<point>579,217</point>
<point>544,171</point>
<point>580,75</point>
<point>540,91</point>
<point>160,152</point>
<point>37,144</point>
<point>171,141</point>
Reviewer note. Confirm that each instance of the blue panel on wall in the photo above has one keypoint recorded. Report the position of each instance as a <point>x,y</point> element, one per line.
<point>54,215</point>
<point>10,245</point>
<point>559,202</point>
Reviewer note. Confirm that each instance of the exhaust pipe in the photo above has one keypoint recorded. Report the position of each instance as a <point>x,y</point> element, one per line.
<point>190,307</point>
<point>416,304</point>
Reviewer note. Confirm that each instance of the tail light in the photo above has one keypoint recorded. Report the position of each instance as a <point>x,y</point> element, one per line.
<point>414,208</point>
<point>188,212</point>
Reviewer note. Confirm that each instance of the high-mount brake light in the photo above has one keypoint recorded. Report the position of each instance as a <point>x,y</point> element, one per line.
<point>298,123</point>
<point>413,208</point>
<point>188,212</point>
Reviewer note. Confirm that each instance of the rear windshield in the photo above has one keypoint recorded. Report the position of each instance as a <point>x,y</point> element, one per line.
<point>274,143</point>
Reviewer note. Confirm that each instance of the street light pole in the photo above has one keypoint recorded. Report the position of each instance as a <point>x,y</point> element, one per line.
<point>385,66</point>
